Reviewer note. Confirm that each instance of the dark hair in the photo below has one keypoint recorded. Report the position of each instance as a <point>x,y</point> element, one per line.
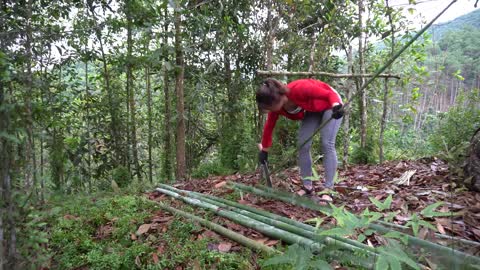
<point>269,93</point>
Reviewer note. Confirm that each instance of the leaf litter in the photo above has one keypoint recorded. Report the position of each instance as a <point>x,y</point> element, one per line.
<point>431,182</point>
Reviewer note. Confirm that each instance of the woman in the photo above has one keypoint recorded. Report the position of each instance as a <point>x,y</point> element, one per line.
<point>313,102</point>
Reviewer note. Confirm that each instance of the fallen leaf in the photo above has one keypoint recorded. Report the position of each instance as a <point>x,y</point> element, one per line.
<point>440,228</point>
<point>476,232</point>
<point>162,219</point>
<point>261,240</point>
<point>160,250</point>
<point>221,184</point>
<point>133,236</point>
<point>155,258</point>
<point>422,234</point>
<point>327,198</point>
<point>143,228</point>
<point>224,247</point>
<point>271,243</point>
<point>138,262</point>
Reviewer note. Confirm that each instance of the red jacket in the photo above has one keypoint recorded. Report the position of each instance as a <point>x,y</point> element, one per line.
<point>311,95</point>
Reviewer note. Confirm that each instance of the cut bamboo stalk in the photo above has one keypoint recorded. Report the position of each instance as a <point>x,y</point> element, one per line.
<point>453,239</point>
<point>277,221</point>
<point>447,253</point>
<point>248,222</point>
<point>264,228</point>
<point>304,202</point>
<point>245,241</point>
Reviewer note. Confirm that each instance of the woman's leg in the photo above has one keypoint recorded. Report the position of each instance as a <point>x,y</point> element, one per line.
<point>309,124</point>
<point>329,134</point>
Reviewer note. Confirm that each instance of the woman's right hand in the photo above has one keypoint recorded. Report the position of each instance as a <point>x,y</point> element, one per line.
<point>263,154</point>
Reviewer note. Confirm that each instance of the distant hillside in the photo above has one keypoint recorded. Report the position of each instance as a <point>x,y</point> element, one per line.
<point>472,19</point>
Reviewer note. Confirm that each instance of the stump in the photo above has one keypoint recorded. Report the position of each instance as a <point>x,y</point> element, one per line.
<point>472,166</point>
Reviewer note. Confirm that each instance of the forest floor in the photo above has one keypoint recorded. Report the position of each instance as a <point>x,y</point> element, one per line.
<point>130,231</point>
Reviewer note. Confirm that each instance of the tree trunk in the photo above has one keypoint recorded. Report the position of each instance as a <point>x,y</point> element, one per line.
<point>5,194</point>
<point>119,157</point>
<point>383,122</point>
<point>131,98</point>
<point>87,123</point>
<point>150,126</point>
<point>346,117</point>
<point>179,73</point>
<point>30,160</point>
<point>363,95</point>
<point>167,165</point>
<point>472,168</point>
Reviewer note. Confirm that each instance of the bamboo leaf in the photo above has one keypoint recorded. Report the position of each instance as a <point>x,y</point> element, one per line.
<point>381,264</point>
<point>320,265</point>
<point>335,231</point>
<point>429,210</point>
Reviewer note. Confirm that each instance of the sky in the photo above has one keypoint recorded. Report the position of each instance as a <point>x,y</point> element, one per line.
<point>428,9</point>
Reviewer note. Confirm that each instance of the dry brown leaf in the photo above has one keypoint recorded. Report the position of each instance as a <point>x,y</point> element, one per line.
<point>160,250</point>
<point>143,228</point>
<point>221,184</point>
<point>138,262</point>
<point>422,234</point>
<point>327,198</point>
<point>133,236</point>
<point>155,258</point>
<point>161,219</point>
<point>440,228</point>
<point>271,243</point>
<point>261,240</point>
<point>476,232</point>
<point>224,247</point>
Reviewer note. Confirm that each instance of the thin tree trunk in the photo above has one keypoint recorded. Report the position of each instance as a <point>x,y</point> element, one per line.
<point>150,126</point>
<point>5,198</point>
<point>311,64</point>
<point>87,123</point>
<point>167,165</point>
<point>383,122</point>
<point>269,43</point>
<point>179,73</point>
<point>30,150</point>
<point>346,117</point>
<point>131,92</point>
<point>363,95</point>
<point>119,157</point>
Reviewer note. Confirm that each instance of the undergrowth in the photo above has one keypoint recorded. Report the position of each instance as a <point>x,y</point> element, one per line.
<point>76,239</point>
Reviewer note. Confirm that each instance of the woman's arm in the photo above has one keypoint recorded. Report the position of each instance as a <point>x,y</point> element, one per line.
<point>272,118</point>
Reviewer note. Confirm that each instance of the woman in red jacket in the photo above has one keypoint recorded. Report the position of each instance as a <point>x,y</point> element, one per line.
<point>313,102</point>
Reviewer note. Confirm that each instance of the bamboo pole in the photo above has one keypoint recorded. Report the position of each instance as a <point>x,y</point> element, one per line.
<point>380,222</point>
<point>276,220</point>
<point>248,222</point>
<point>245,241</point>
<point>264,228</point>
<point>320,73</point>
<point>443,252</point>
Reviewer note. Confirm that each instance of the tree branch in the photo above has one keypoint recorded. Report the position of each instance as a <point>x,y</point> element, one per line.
<point>320,73</point>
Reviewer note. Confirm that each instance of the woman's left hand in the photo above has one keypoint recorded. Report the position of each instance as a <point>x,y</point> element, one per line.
<point>337,111</point>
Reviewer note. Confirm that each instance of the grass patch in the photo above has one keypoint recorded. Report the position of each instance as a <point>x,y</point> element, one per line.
<point>95,231</point>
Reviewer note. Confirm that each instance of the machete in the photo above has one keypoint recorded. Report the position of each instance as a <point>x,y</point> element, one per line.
<point>266,174</point>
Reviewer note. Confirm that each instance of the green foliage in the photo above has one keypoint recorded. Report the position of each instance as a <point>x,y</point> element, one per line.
<point>77,237</point>
<point>381,206</point>
<point>121,176</point>
<point>299,258</point>
<point>464,119</point>
<point>210,168</point>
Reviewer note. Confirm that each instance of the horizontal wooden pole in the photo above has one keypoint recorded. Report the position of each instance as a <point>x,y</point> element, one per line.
<point>319,73</point>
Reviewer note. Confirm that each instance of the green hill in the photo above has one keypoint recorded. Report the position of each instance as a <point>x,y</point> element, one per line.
<point>470,19</point>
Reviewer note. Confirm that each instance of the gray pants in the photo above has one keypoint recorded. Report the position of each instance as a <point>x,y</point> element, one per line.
<point>328,134</point>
